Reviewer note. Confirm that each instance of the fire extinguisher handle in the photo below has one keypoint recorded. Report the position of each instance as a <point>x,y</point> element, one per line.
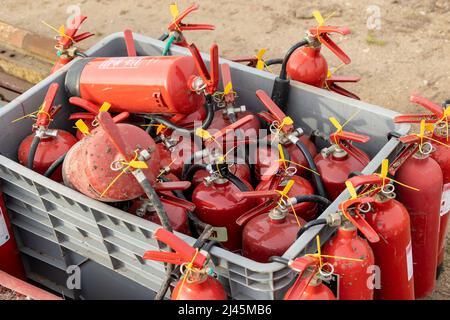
<point>277,113</point>
<point>121,117</point>
<point>436,109</point>
<point>357,220</point>
<point>184,253</point>
<point>301,265</point>
<point>82,115</point>
<point>172,186</point>
<point>129,43</point>
<point>366,179</point>
<point>326,40</point>
<point>177,23</point>
<point>226,79</point>
<point>113,134</point>
<point>320,31</point>
<point>343,79</point>
<point>415,118</point>
<point>69,38</point>
<point>345,135</point>
<point>344,92</point>
<point>44,116</point>
<point>177,202</point>
<point>409,139</point>
<point>211,80</point>
<point>233,126</point>
<point>251,60</point>
<point>85,104</point>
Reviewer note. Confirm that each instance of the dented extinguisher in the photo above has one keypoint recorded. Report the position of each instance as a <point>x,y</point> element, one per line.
<point>336,162</point>
<point>439,117</point>
<point>90,117</point>
<point>66,51</point>
<point>10,261</point>
<point>269,228</point>
<point>228,112</point>
<point>390,219</point>
<point>43,150</point>
<point>216,199</point>
<point>414,167</point>
<point>196,282</point>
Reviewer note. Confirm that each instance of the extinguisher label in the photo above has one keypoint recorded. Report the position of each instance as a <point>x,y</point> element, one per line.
<point>4,234</point>
<point>445,202</point>
<point>409,261</point>
<point>121,63</point>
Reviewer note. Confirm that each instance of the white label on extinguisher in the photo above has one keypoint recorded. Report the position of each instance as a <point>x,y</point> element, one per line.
<point>121,63</point>
<point>445,202</point>
<point>409,261</point>
<point>4,234</point>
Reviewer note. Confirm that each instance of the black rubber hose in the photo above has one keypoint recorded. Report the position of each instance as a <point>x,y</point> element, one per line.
<point>232,117</point>
<point>188,175</point>
<point>274,61</point>
<point>55,165</point>
<point>318,181</point>
<point>309,225</point>
<point>313,198</point>
<point>236,181</point>
<point>205,125</point>
<point>32,152</point>
<point>81,54</point>
<point>283,73</point>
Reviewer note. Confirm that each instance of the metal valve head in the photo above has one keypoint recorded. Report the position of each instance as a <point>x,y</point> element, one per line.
<point>68,37</point>
<point>210,80</point>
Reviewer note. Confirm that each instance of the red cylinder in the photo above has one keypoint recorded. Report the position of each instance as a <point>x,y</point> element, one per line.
<point>48,151</point>
<point>198,287</point>
<point>10,261</point>
<point>335,169</point>
<point>442,157</point>
<point>393,253</point>
<point>309,66</point>
<point>306,210</point>
<point>315,290</point>
<point>265,236</point>
<point>160,84</point>
<point>353,276</point>
<point>219,205</point>
<point>423,173</point>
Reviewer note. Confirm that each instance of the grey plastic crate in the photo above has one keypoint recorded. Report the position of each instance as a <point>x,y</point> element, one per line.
<point>57,227</point>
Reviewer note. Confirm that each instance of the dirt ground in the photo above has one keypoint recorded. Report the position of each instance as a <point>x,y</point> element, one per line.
<point>409,53</point>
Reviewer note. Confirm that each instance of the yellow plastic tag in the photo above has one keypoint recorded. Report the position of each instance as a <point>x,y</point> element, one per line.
<point>287,122</point>
<point>82,127</point>
<point>160,128</point>
<point>280,150</point>
<point>62,30</point>
<point>105,107</point>
<point>287,188</point>
<point>138,164</point>
<point>329,73</point>
<point>384,168</point>
<point>174,10</point>
<point>318,16</point>
<point>336,123</point>
<point>261,64</point>
<point>228,88</point>
<point>203,133</point>
<point>351,189</point>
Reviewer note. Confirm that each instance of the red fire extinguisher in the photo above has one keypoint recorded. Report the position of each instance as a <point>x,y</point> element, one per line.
<point>228,112</point>
<point>196,282</point>
<point>66,51</point>
<point>90,117</point>
<point>336,162</point>
<point>353,275</point>
<point>439,116</point>
<point>149,85</point>
<point>414,167</point>
<point>216,199</point>
<point>269,228</point>
<point>40,150</point>
<point>393,253</point>
<point>10,261</point>
<point>308,285</point>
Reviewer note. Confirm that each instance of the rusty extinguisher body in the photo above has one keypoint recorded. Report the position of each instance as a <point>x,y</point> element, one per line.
<point>10,261</point>
<point>353,276</point>
<point>218,205</point>
<point>423,173</point>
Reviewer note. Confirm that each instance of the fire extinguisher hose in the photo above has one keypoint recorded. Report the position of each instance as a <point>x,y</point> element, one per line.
<point>32,152</point>
<point>190,170</point>
<point>283,73</point>
<point>55,166</point>
<point>168,45</point>
<point>309,225</point>
<point>205,125</point>
<point>274,61</point>
<point>318,181</point>
<point>236,181</point>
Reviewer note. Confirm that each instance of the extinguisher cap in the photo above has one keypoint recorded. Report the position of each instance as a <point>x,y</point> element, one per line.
<point>73,76</point>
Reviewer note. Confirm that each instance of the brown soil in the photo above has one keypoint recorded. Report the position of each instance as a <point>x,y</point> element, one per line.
<point>409,54</point>
<point>6,294</point>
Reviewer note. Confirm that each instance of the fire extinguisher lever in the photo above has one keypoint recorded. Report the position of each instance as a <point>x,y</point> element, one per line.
<point>307,268</point>
<point>184,253</point>
<point>321,33</point>
<point>358,220</point>
<point>275,111</point>
<point>437,112</point>
<point>210,81</point>
<point>341,140</point>
<point>178,25</point>
<point>332,85</point>
<point>47,110</point>
<point>67,40</point>
<point>372,179</point>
